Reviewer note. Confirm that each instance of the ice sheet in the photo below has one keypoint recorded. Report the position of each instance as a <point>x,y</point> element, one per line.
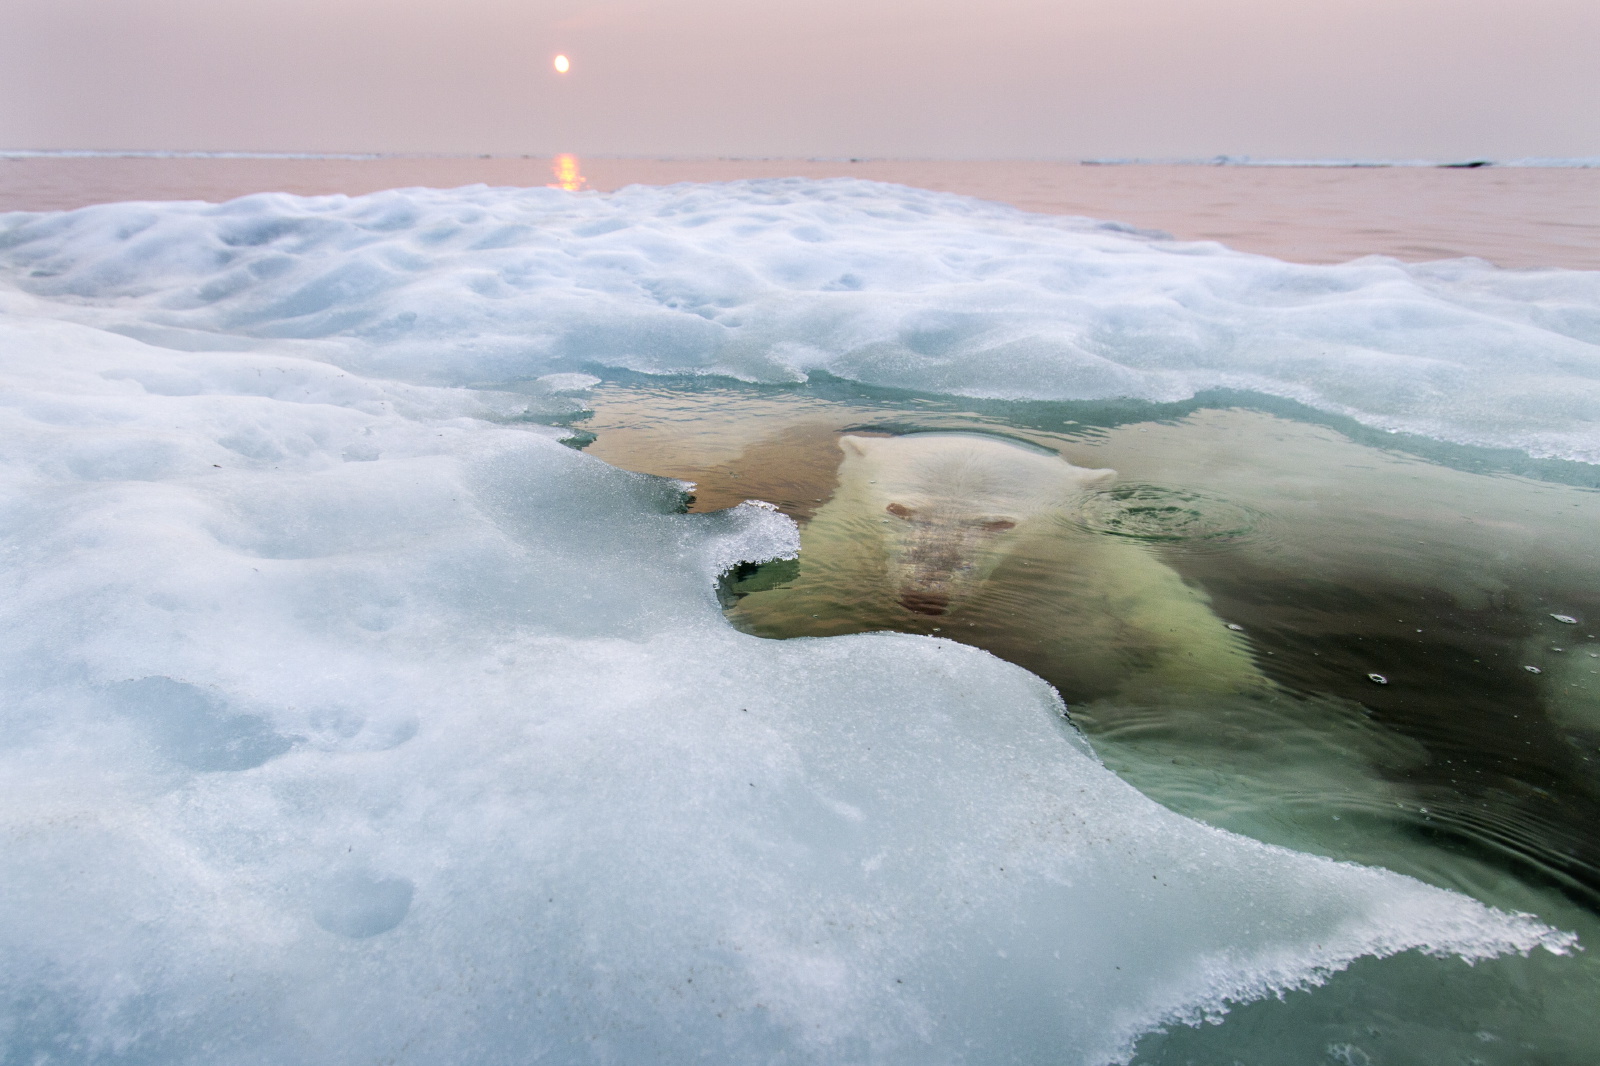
<point>774,280</point>
<point>349,719</point>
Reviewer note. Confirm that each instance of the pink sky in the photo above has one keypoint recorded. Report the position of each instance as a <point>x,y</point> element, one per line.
<point>1045,79</point>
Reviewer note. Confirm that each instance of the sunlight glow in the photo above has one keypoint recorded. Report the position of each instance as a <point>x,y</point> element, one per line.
<point>565,168</point>
<point>562,66</point>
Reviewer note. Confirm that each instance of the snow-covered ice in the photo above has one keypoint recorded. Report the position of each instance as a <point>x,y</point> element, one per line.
<point>348,715</point>
<point>774,280</point>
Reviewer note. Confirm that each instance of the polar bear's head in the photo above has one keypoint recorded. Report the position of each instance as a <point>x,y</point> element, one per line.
<point>950,503</point>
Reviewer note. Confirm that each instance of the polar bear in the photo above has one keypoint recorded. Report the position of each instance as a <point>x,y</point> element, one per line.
<point>976,538</point>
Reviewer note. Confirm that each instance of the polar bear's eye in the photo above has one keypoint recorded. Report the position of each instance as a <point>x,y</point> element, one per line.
<point>998,525</point>
<point>900,510</point>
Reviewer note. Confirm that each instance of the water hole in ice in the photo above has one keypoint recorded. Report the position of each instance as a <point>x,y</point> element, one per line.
<point>349,714</point>
<point>1331,557</point>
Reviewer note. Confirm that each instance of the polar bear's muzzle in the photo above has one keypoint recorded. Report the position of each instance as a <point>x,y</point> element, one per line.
<point>937,553</point>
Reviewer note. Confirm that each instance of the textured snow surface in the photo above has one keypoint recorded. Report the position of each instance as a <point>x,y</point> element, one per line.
<point>772,280</point>
<point>346,715</point>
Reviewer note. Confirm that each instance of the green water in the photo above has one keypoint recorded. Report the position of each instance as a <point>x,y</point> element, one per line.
<point>1421,705</point>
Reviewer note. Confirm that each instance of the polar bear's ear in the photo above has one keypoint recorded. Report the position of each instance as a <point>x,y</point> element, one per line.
<point>1096,479</point>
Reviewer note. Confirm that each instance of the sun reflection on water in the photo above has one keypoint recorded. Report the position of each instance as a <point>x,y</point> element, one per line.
<point>565,168</point>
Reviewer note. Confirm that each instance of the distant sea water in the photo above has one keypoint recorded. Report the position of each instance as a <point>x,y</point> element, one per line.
<point>1309,212</point>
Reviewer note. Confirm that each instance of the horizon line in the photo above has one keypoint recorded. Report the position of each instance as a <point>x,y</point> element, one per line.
<point>1575,162</point>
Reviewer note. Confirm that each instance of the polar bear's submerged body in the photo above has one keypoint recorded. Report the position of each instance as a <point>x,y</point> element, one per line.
<point>975,537</point>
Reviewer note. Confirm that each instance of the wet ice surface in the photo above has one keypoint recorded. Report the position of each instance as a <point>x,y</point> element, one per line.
<point>350,714</point>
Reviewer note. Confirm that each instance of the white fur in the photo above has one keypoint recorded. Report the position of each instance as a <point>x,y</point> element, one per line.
<point>976,535</point>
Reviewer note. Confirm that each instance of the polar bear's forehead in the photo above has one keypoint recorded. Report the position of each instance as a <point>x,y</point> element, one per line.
<point>941,463</point>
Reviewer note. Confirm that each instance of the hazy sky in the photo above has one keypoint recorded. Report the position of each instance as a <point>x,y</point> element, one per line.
<point>919,78</point>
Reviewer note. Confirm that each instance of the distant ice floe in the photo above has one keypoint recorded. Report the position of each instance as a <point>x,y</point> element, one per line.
<point>1335,162</point>
<point>347,715</point>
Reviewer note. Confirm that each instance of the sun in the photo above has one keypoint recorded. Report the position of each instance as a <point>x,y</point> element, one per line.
<point>562,66</point>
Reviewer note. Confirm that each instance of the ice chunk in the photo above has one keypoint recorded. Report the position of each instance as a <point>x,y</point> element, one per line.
<point>448,755</point>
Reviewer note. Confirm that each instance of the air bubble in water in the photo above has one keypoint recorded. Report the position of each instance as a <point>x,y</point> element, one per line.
<point>1378,679</point>
<point>1236,627</point>
<point>1533,669</point>
<point>1567,618</point>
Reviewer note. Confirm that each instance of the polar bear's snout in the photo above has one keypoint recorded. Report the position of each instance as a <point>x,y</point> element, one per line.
<point>936,552</point>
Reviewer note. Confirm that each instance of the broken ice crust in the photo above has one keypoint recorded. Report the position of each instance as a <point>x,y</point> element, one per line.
<point>346,716</point>
<point>770,281</point>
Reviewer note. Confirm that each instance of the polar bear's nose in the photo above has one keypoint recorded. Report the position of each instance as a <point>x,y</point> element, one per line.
<point>925,602</point>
